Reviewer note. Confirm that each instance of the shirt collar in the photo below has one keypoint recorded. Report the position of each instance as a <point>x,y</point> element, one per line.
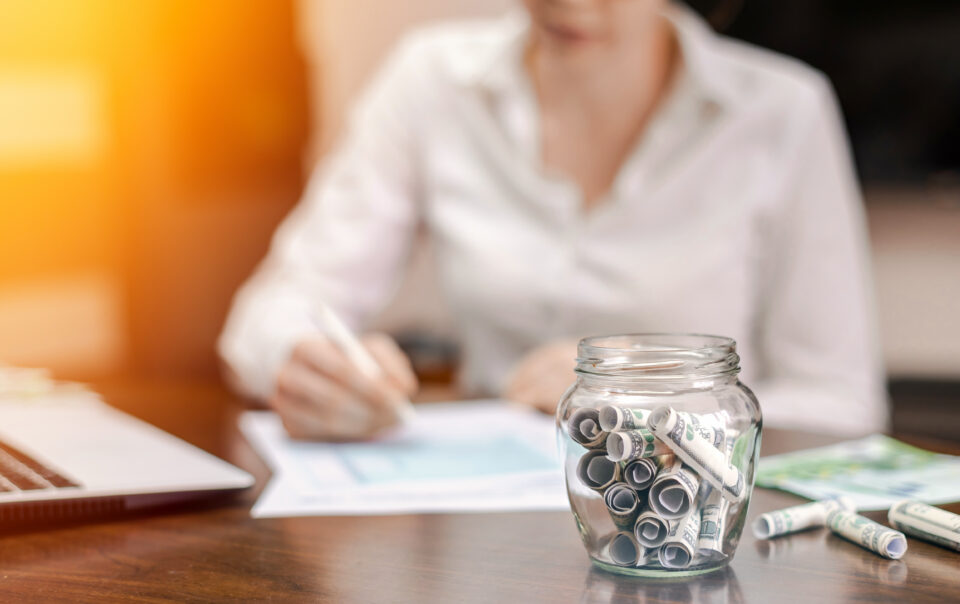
<point>701,62</point>
<point>498,66</point>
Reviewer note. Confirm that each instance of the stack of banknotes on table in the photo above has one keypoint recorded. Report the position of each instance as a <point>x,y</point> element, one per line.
<point>666,478</point>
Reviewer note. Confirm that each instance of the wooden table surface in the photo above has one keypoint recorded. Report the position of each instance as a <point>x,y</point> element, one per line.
<point>217,552</point>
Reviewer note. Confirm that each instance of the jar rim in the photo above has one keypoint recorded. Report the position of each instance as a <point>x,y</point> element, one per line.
<point>659,356</point>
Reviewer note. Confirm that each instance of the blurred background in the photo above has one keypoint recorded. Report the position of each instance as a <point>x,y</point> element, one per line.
<point>148,150</point>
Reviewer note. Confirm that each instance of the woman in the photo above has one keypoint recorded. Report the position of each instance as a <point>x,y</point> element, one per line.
<point>587,167</point>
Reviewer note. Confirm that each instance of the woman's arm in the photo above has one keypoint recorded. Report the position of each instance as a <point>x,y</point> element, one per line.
<point>821,359</point>
<point>345,243</point>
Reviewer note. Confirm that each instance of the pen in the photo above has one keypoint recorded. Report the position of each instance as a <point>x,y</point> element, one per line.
<point>348,343</point>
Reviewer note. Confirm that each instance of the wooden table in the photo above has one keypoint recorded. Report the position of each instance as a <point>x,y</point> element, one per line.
<point>217,552</point>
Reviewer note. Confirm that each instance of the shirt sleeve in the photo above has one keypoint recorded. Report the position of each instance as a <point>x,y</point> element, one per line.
<point>818,336</point>
<point>346,242</point>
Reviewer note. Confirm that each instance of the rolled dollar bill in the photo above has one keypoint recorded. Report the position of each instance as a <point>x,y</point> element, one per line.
<point>680,545</point>
<point>673,491</point>
<point>699,453</point>
<point>712,520</point>
<point>640,473</point>
<point>708,427</point>
<point>625,551</point>
<point>623,503</point>
<point>651,530</point>
<point>634,444</point>
<point>875,537</point>
<point>798,518</point>
<point>584,428</point>
<point>714,515</point>
<point>615,419</point>
<point>715,419</point>
<point>926,522</point>
<point>596,471</point>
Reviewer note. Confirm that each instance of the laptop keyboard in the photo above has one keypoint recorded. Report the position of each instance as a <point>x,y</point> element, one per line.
<point>20,472</point>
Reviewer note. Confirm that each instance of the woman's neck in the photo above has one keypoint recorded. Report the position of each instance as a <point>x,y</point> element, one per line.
<point>629,70</point>
<point>596,100</point>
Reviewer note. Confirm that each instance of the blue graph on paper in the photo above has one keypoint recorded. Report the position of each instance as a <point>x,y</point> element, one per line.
<point>415,460</point>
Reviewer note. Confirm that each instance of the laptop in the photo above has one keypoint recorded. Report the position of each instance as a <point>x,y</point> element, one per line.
<point>69,454</point>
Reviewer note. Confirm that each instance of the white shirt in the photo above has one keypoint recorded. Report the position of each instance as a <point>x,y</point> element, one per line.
<point>736,214</point>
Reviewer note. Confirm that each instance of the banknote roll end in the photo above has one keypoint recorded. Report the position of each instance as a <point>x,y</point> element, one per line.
<point>621,498</point>
<point>640,473</point>
<point>669,501</point>
<point>596,471</point>
<point>657,417</point>
<point>624,550</point>
<point>651,531</point>
<point>609,418</point>
<point>674,556</point>
<point>897,547</point>
<point>589,429</point>
<point>617,446</point>
<point>761,528</point>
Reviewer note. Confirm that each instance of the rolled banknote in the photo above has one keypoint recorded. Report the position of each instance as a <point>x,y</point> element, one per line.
<point>926,522</point>
<point>623,504</point>
<point>875,537</point>
<point>651,530</point>
<point>596,471</point>
<point>673,491</point>
<point>699,453</point>
<point>615,419</point>
<point>714,515</point>
<point>584,428</point>
<point>717,420</point>
<point>712,520</point>
<point>624,550</point>
<point>708,427</point>
<point>798,518</point>
<point>634,444</point>
<point>680,545</point>
<point>640,473</point>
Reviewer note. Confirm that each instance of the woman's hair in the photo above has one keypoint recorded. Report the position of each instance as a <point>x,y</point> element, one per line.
<point>719,13</point>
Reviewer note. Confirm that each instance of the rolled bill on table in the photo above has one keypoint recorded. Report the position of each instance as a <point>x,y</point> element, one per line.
<point>625,551</point>
<point>584,428</point>
<point>696,451</point>
<point>875,537</point>
<point>926,522</point>
<point>596,471</point>
<point>615,419</point>
<point>623,503</point>
<point>673,491</point>
<point>798,518</point>
<point>634,444</point>
<point>651,530</point>
<point>680,545</point>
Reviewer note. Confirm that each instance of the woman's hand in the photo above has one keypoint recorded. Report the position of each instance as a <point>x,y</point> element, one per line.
<point>321,395</point>
<point>543,375</point>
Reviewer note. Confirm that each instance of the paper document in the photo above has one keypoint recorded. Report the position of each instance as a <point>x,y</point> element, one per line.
<point>453,457</point>
<point>875,472</point>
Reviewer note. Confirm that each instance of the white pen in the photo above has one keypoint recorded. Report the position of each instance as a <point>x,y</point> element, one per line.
<point>348,343</point>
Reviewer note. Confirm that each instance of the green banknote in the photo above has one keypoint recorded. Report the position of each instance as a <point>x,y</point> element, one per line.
<point>876,472</point>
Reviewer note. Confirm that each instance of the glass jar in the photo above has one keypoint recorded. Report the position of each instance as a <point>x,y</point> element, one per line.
<point>660,442</point>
